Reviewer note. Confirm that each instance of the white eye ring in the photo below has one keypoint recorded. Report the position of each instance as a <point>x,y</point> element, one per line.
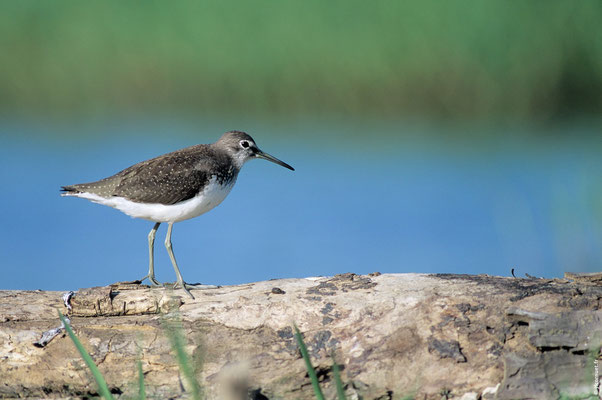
<point>244,144</point>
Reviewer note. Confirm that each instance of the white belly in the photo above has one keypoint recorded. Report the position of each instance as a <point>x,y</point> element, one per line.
<point>210,197</point>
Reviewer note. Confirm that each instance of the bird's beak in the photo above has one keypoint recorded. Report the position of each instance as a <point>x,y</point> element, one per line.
<point>266,156</point>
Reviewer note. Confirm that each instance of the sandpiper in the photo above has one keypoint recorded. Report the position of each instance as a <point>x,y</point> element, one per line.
<point>174,187</point>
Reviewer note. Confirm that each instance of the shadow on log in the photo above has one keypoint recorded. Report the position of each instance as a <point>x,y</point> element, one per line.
<point>394,335</point>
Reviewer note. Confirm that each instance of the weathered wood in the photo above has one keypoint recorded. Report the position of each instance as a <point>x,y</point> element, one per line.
<point>428,336</point>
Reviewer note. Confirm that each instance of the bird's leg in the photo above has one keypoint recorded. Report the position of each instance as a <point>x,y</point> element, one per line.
<point>180,282</point>
<point>151,263</point>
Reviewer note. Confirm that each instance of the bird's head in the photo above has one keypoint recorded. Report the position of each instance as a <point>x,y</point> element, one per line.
<point>242,148</point>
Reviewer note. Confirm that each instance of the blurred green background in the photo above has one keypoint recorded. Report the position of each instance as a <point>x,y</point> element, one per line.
<point>431,59</point>
<point>427,136</point>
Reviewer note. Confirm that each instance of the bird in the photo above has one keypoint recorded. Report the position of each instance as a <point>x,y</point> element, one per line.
<point>174,187</point>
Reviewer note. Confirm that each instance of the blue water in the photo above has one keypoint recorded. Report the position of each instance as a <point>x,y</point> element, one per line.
<point>397,203</point>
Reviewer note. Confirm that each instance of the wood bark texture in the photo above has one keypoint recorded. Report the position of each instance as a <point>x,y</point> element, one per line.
<point>394,336</point>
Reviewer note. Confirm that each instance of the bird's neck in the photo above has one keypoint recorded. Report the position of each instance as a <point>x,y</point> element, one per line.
<point>238,160</point>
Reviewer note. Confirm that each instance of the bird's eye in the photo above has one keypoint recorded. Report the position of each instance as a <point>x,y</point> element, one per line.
<point>244,144</point>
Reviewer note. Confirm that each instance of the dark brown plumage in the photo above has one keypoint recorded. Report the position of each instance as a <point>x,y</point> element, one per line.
<point>170,178</point>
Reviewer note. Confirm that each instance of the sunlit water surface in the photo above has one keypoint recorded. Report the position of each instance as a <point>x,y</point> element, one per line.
<point>404,203</point>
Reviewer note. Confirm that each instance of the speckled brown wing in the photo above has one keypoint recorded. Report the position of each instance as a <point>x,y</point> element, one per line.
<point>167,179</point>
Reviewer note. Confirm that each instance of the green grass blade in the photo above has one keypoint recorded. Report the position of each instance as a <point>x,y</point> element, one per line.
<point>310,369</point>
<point>100,381</point>
<point>337,379</point>
<point>174,333</point>
<point>141,389</point>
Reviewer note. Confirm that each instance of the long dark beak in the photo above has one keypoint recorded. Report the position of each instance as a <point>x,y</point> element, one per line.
<point>266,156</point>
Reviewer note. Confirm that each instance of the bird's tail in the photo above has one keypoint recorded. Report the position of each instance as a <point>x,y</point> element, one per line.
<point>103,188</point>
<point>69,190</point>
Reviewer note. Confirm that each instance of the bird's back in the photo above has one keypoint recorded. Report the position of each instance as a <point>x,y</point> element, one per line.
<point>168,179</point>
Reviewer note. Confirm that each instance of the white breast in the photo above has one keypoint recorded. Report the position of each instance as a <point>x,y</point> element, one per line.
<point>210,197</point>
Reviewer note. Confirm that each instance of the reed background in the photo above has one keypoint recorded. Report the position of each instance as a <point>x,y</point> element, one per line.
<point>537,59</point>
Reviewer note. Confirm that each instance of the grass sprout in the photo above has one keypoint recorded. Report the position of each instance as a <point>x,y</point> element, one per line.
<point>312,372</point>
<point>310,369</point>
<point>103,389</point>
<point>141,389</point>
<point>337,379</point>
<point>173,328</point>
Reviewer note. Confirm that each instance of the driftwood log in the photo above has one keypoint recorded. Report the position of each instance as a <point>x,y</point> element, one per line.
<point>393,335</point>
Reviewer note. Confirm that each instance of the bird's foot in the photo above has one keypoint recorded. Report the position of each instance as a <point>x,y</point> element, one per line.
<point>153,281</point>
<point>186,286</point>
<point>183,285</point>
